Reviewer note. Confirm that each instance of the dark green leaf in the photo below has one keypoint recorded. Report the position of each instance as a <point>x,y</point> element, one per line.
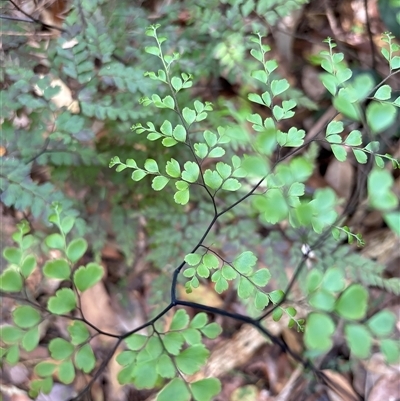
<point>212,330</point>
<point>261,300</point>
<point>276,296</point>
<point>67,223</point>
<point>261,277</point>
<point>205,389</point>
<point>25,316</point>
<point>76,249</point>
<point>199,321</point>
<point>192,358</point>
<point>359,340</point>
<point>10,334</point>
<point>12,255</point>
<point>86,277</point>
<point>173,342</point>
<point>28,265</point>
<point>85,359</point>
<point>245,288</point>
<point>244,262</point>
<point>322,300</point>
<point>333,280</point>
<point>391,350</point>
<point>63,302</point>
<point>318,332</point>
<point>180,320</point>
<point>314,279</point>
<point>192,336</point>
<point>11,281</point>
<point>45,368</point>
<point>66,372</point>
<point>136,342</point>
<point>55,241</point>
<point>60,349</point>
<point>277,314</point>
<point>175,390</point>
<point>78,331</point>
<point>165,367</point>
<point>13,354</point>
<point>145,375</point>
<point>353,302</point>
<point>382,323</point>
<point>57,268</point>
<point>31,339</point>
<point>380,116</point>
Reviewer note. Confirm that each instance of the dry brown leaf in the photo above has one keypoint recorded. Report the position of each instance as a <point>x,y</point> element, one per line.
<point>14,393</point>
<point>96,308</point>
<point>53,12</point>
<point>383,246</point>
<point>97,392</point>
<point>111,251</point>
<point>203,294</point>
<point>343,389</point>
<point>284,34</point>
<point>386,388</point>
<point>290,385</point>
<point>292,340</point>
<point>312,84</point>
<point>232,353</point>
<point>377,369</point>
<point>115,390</point>
<point>340,175</point>
<point>63,98</point>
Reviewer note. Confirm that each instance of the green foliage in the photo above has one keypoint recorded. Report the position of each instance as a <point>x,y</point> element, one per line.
<point>163,354</point>
<point>327,294</point>
<point>194,162</point>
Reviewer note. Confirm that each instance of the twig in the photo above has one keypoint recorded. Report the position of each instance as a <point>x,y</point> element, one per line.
<point>371,41</point>
<point>36,20</point>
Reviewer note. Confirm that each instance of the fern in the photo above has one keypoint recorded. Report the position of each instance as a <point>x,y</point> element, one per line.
<point>20,191</point>
<point>206,188</point>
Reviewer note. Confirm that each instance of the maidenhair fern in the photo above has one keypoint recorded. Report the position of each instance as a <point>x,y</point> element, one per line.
<point>268,182</point>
